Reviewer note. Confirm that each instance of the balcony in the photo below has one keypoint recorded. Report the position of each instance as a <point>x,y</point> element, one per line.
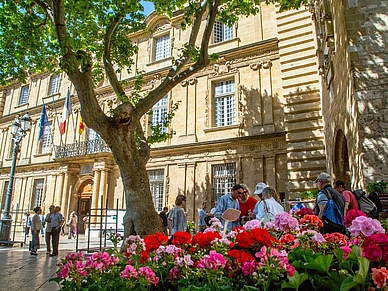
<point>81,148</point>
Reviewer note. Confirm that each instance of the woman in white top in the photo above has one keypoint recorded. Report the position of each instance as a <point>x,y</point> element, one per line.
<point>36,226</point>
<point>268,206</point>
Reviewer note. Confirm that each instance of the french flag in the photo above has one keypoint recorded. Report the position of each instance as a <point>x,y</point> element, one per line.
<point>66,112</point>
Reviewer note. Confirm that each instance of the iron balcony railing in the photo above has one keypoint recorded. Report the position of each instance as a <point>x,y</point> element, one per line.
<point>81,148</point>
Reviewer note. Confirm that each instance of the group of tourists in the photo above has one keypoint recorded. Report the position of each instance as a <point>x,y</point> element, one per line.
<point>264,204</point>
<point>53,224</point>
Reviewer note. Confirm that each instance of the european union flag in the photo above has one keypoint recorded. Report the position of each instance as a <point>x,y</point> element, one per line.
<point>43,121</point>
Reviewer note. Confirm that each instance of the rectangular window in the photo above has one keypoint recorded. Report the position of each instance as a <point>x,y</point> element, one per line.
<point>224,178</point>
<point>224,103</point>
<point>93,142</point>
<point>24,95</point>
<point>156,178</point>
<point>221,32</point>
<point>4,195</point>
<point>162,48</point>
<point>158,112</point>
<point>46,139</point>
<point>54,85</point>
<point>37,195</point>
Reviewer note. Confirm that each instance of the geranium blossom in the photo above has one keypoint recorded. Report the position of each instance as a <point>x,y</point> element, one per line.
<point>101,260</point>
<point>204,240</point>
<point>365,226</point>
<point>380,276</point>
<point>212,261</point>
<point>376,248</point>
<point>285,222</point>
<point>351,215</point>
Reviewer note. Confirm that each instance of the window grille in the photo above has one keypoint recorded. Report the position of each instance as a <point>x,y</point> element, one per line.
<point>156,178</point>
<point>46,139</point>
<point>24,94</point>
<point>224,178</point>
<point>38,193</point>
<point>221,32</point>
<point>158,113</point>
<point>224,103</point>
<point>54,85</point>
<point>162,48</point>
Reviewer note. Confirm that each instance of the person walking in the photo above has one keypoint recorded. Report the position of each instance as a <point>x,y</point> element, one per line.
<point>179,218</point>
<point>48,236</point>
<point>36,226</point>
<point>56,225</point>
<point>72,224</point>
<point>163,217</point>
<point>350,200</point>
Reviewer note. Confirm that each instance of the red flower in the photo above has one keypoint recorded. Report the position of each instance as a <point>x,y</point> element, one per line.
<point>304,211</point>
<point>143,256</point>
<point>376,247</point>
<point>351,215</point>
<point>181,238</point>
<point>240,256</point>
<point>288,239</point>
<point>336,238</point>
<point>204,239</point>
<point>153,241</point>
<point>262,236</point>
<point>244,240</point>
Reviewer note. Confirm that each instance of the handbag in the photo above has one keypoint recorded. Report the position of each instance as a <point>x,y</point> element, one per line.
<point>267,216</point>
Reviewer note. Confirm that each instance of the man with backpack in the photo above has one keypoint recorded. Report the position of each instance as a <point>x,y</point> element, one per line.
<point>350,200</point>
<point>329,206</point>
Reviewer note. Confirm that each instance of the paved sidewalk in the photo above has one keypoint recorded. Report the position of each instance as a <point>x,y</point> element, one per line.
<point>19,271</point>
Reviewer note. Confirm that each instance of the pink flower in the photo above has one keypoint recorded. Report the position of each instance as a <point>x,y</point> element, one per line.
<point>248,267</point>
<point>212,261</point>
<point>285,222</point>
<point>149,275</point>
<point>101,260</point>
<point>365,226</point>
<point>129,272</point>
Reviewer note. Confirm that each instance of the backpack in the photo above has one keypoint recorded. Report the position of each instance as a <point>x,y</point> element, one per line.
<point>366,205</point>
<point>333,219</point>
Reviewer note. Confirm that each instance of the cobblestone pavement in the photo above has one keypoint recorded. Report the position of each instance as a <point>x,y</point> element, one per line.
<point>19,271</point>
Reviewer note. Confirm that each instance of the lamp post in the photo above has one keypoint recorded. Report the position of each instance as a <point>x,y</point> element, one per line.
<point>19,129</point>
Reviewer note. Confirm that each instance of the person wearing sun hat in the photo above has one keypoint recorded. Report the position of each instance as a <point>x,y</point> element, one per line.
<point>259,189</point>
<point>327,192</point>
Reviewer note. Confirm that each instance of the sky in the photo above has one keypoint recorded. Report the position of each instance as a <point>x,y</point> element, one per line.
<point>148,7</point>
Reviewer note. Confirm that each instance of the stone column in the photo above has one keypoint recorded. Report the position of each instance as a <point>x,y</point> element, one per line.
<point>95,197</point>
<point>59,190</point>
<point>102,190</point>
<point>65,196</point>
<point>270,171</point>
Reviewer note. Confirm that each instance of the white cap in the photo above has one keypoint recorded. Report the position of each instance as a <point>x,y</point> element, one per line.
<point>259,188</point>
<point>323,177</point>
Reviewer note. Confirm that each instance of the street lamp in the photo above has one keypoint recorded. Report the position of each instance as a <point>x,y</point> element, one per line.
<point>19,129</point>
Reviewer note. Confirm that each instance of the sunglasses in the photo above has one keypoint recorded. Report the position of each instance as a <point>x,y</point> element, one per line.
<point>243,192</point>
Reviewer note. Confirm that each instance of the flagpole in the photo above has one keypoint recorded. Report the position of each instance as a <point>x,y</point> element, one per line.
<point>51,134</point>
<point>55,109</point>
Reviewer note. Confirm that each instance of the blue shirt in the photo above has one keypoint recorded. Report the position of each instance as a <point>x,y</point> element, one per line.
<point>56,219</point>
<point>226,201</point>
<point>201,218</point>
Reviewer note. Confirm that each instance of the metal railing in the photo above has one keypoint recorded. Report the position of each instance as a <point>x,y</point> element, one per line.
<point>81,148</point>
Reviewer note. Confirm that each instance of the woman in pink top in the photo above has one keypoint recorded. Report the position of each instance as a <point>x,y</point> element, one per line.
<point>350,200</point>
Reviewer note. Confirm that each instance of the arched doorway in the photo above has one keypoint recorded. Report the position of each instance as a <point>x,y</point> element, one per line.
<point>341,158</point>
<point>85,203</point>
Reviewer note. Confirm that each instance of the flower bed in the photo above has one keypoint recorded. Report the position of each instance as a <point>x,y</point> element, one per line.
<point>288,254</point>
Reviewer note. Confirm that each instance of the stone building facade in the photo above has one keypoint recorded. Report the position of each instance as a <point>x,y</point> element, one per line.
<point>352,37</point>
<point>255,115</point>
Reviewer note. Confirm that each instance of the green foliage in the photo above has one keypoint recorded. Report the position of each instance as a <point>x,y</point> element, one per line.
<point>310,194</point>
<point>328,272</point>
<point>378,187</point>
<point>159,131</point>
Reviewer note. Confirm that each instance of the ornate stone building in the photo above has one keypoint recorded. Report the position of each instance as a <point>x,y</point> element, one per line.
<point>255,115</point>
<point>352,38</point>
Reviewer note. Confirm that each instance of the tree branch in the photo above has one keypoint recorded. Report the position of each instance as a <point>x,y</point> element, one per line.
<point>110,72</point>
<point>174,76</point>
